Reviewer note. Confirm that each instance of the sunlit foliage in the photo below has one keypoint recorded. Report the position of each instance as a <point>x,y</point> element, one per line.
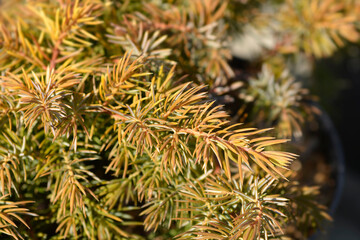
<point>108,130</point>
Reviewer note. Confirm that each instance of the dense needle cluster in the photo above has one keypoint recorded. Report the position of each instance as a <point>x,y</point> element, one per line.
<point>108,131</point>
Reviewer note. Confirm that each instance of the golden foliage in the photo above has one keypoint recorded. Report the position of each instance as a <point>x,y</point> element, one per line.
<point>192,31</point>
<point>318,26</point>
<point>9,214</point>
<point>183,119</point>
<point>248,211</point>
<point>123,88</point>
<point>41,95</point>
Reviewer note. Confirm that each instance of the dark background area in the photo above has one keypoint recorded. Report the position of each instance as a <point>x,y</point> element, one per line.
<point>337,84</point>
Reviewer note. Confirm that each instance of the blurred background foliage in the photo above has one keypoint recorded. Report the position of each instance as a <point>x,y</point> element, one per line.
<point>139,119</point>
